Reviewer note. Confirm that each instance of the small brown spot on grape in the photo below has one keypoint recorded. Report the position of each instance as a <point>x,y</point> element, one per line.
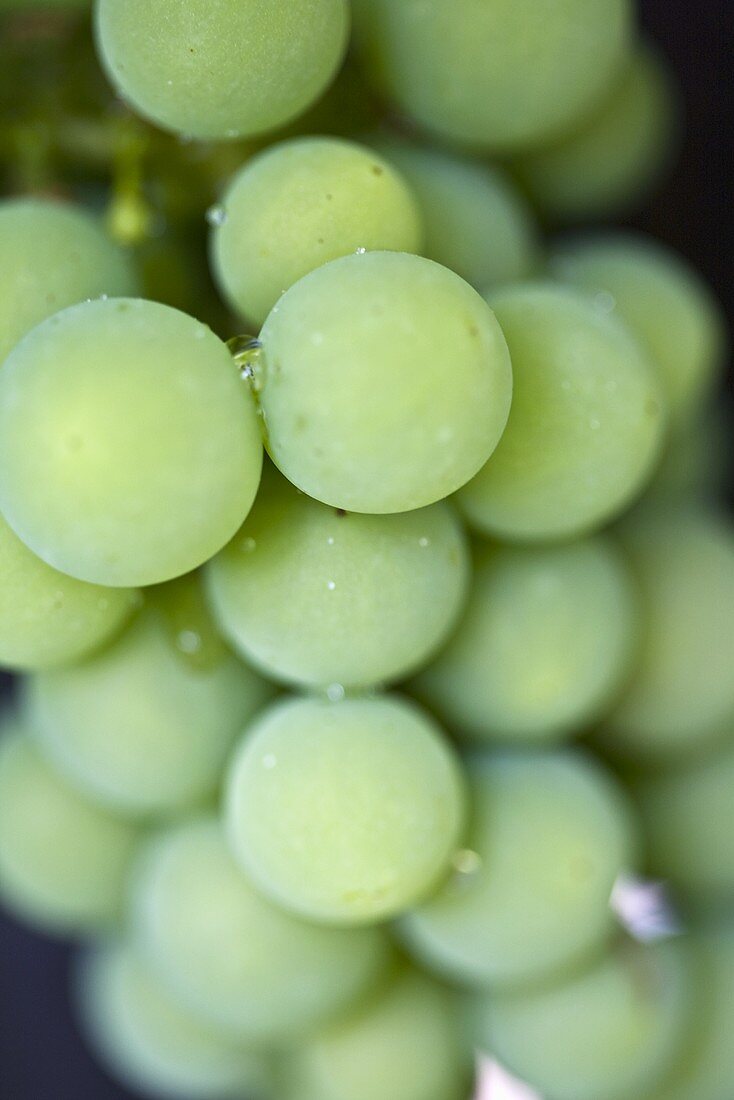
<point>341,512</point>
<point>377,171</point>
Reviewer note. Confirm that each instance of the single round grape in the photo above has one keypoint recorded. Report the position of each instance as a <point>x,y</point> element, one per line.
<point>682,689</point>
<point>48,618</point>
<point>586,424</point>
<point>150,1043</point>
<point>475,222</point>
<point>316,596</point>
<point>546,640</point>
<point>53,255</point>
<point>299,204</point>
<point>610,1032</point>
<point>403,1045</point>
<point>550,833</point>
<point>221,68</point>
<point>63,860</point>
<point>139,726</point>
<point>706,1063</point>
<point>231,956</point>
<point>688,818</point>
<point>666,305</point>
<point>130,450</point>
<point>386,382</point>
<point>615,157</point>
<point>497,74</point>
<point>345,812</point>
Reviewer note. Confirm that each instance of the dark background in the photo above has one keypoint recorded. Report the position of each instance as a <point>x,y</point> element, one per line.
<point>41,1058</point>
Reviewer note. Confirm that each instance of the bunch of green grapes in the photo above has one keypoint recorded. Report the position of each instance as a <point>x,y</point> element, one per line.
<point>368,579</point>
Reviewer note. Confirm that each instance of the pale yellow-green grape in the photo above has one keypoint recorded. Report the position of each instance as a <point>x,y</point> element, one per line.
<point>385,382</point>
<point>52,255</point>
<point>610,1032</point>
<point>665,303</point>
<point>140,726</point>
<point>296,206</point>
<point>547,638</point>
<point>405,1044</point>
<point>150,1043</point>
<point>221,68</point>
<point>63,860</point>
<point>475,222</point>
<point>345,812</point>
<point>688,818</point>
<point>586,424</point>
<point>705,1068</point>
<point>497,74</point>
<point>47,618</point>
<point>550,833</point>
<point>228,954</point>
<point>316,596</point>
<point>130,449</point>
<point>682,689</point>
<point>617,155</point>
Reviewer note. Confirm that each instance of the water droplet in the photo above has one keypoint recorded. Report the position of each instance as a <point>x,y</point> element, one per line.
<point>605,302</point>
<point>269,761</point>
<point>104,297</point>
<point>216,215</point>
<point>335,693</point>
<point>467,862</point>
<point>188,641</point>
<point>248,545</point>
<point>424,542</point>
<point>331,585</point>
<point>247,354</point>
<point>360,251</point>
<point>330,541</point>
<point>200,333</point>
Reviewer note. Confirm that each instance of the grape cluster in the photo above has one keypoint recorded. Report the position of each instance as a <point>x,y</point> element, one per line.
<point>370,586</point>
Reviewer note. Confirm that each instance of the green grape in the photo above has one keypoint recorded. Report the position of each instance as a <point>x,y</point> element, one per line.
<point>231,956</point>
<point>221,68</point>
<point>46,617</point>
<point>610,1032</point>
<point>496,74</point>
<point>344,812</point>
<point>476,223</point>
<point>550,833</point>
<point>130,450</point>
<point>404,1045</point>
<point>666,304</point>
<point>705,1071</point>
<point>140,726</point>
<point>151,1044</point>
<point>53,255</point>
<point>682,689</point>
<point>315,596</point>
<point>614,158</point>
<point>63,861</point>
<point>385,383</point>
<point>688,817</point>
<point>299,204</point>
<point>586,424</point>
<point>547,638</point>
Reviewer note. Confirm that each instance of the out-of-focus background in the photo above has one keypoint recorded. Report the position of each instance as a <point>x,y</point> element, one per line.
<point>41,1057</point>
